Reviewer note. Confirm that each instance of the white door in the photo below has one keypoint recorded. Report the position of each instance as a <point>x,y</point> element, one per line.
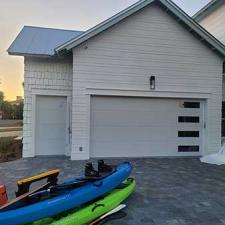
<point>138,127</point>
<point>51,129</point>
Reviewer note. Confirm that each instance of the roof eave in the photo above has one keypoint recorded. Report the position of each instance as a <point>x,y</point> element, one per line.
<point>103,26</point>
<point>216,45</point>
<point>207,9</point>
<point>212,41</point>
<point>30,55</point>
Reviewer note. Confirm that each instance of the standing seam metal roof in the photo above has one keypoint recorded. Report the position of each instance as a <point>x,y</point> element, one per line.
<point>40,41</point>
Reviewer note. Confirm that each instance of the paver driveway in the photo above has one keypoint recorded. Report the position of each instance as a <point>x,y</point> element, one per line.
<point>174,191</point>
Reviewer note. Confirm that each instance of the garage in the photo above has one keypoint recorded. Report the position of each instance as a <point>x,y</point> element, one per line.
<point>50,125</point>
<point>142,127</point>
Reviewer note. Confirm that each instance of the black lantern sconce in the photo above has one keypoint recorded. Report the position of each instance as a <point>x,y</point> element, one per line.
<point>152,82</point>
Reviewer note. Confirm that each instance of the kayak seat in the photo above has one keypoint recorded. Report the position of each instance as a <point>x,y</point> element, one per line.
<point>24,184</point>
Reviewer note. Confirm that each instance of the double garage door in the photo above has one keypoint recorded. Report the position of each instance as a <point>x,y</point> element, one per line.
<point>139,127</point>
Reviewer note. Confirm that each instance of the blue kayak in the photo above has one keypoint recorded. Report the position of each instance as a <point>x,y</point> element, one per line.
<point>67,200</point>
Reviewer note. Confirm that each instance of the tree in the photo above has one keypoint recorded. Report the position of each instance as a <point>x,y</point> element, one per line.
<point>7,110</point>
<point>1,96</point>
<point>1,99</point>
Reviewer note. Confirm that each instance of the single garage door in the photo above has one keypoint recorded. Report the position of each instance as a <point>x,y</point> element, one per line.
<point>138,127</point>
<point>50,130</point>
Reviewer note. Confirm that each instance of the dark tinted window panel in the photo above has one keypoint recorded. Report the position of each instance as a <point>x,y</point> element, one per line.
<point>188,119</point>
<point>188,133</point>
<point>223,128</point>
<point>192,105</point>
<point>188,148</point>
<point>223,109</point>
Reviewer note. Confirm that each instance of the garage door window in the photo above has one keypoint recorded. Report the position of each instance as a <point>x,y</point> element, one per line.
<point>188,119</point>
<point>188,133</point>
<point>191,105</point>
<point>188,148</point>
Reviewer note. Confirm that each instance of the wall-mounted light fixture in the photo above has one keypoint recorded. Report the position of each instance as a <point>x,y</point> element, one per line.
<point>152,82</point>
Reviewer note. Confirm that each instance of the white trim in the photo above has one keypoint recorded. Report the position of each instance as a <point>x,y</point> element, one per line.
<point>55,92</point>
<point>205,128</point>
<point>146,94</point>
<point>48,92</point>
<point>88,124</point>
<point>141,93</point>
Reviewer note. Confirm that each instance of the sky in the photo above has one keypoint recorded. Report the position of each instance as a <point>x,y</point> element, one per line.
<point>65,14</point>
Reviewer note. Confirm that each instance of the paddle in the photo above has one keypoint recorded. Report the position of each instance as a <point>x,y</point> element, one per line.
<point>115,216</point>
<point>113,211</point>
<point>22,199</point>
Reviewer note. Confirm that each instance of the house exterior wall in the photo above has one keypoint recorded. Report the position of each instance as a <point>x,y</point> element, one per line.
<point>214,23</point>
<point>42,76</point>
<point>121,60</point>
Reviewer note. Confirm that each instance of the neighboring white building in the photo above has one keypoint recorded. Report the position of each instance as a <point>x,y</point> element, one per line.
<point>146,82</point>
<point>212,18</point>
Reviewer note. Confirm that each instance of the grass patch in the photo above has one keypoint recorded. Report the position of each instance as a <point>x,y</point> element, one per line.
<point>10,129</point>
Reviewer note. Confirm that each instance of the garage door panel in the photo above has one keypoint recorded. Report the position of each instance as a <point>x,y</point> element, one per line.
<point>188,141</point>
<point>103,103</point>
<point>138,119</point>
<point>122,126</point>
<point>50,132</point>
<point>137,133</point>
<point>190,126</point>
<point>188,112</point>
<point>137,149</point>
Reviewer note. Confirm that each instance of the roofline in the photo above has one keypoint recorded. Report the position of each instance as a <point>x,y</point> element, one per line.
<point>51,28</point>
<point>30,55</point>
<point>207,9</point>
<point>194,26</point>
<point>104,25</point>
<point>37,55</point>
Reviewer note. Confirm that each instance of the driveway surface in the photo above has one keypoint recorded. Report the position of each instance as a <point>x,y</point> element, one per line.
<point>174,191</point>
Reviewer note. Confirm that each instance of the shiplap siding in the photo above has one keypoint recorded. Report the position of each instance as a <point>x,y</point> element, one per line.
<point>45,75</point>
<point>147,43</point>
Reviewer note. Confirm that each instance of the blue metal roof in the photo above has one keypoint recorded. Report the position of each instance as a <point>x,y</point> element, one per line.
<point>40,41</point>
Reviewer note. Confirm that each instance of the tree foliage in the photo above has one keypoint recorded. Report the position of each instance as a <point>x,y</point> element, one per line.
<point>9,110</point>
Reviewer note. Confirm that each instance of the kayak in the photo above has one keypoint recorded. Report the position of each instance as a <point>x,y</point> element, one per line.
<point>92,211</point>
<point>67,200</point>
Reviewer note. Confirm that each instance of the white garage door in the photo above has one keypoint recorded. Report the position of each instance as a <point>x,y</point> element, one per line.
<point>50,130</point>
<point>137,127</point>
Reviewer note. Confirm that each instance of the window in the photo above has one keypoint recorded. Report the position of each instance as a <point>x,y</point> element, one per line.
<point>223,119</point>
<point>192,105</point>
<point>188,148</point>
<point>188,119</point>
<point>188,133</point>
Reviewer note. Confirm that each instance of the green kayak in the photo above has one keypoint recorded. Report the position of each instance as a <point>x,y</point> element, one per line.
<point>94,210</point>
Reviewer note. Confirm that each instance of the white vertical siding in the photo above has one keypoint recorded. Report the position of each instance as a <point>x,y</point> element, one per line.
<point>42,74</point>
<point>148,43</point>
